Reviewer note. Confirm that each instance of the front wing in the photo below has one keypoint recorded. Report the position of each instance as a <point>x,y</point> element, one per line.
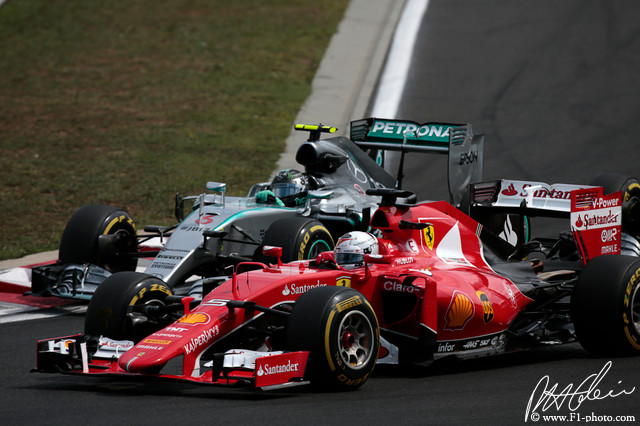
<point>260,370</point>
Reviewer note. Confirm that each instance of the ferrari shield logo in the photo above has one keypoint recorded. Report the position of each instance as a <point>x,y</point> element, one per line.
<point>429,236</point>
<point>344,281</point>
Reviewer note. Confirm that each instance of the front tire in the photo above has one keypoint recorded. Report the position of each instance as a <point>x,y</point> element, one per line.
<point>300,238</point>
<point>339,328</point>
<point>80,241</point>
<point>606,306</point>
<point>116,309</point>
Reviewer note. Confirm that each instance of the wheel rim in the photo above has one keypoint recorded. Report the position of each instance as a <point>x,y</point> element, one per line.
<point>355,340</point>
<point>137,319</point>
<point>141,307</point>
<point>635,309</point>
<point>114,264</point>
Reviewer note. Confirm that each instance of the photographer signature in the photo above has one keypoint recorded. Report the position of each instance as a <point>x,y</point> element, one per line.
<point>545,397</point>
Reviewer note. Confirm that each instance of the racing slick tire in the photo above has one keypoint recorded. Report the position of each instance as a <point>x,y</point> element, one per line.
<point>81,242</point>
<point>606,306</point>
<point>630,188</point>
<point>339,328</point>
<point>300,238</point>
<point>117,308</point>
<point>612,182</point>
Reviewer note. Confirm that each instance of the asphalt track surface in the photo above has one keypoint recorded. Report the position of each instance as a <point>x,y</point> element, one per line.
<point>555,88</point>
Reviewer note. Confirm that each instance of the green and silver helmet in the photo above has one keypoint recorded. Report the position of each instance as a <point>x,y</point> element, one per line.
<point>291,186</point>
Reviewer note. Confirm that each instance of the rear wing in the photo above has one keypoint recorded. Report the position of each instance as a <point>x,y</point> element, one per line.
<point>595,219</point>
<point>463,148</point>
<point>530,198</point>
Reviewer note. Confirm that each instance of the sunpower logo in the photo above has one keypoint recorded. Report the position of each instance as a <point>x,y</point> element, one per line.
<point>299,289</point>
<point>284,368</point>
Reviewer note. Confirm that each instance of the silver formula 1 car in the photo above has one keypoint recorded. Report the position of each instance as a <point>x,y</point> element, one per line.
<point>220,231</point>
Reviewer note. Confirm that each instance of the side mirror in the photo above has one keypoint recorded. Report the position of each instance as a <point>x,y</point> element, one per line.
<point>216,188</point>
<point>273,251</point>
<point>179,209</point>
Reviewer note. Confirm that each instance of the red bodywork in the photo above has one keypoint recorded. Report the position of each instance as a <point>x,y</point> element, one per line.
<point>428,283</point>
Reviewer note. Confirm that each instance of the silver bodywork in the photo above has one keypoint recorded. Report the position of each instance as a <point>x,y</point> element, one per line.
<point>220,231</point>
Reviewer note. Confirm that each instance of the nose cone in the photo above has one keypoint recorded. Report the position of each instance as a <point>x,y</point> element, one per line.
<point>188,336</point>
<point>148,355</point>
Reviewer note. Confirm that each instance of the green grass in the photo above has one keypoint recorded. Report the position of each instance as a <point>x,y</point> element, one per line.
<point>127,102</point>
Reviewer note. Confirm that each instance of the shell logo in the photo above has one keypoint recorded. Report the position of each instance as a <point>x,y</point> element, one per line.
<point>194,318</point>
<point>460,311</point>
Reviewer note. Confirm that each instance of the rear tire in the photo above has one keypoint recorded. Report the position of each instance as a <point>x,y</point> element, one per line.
<point>630,188</point>
<point>339,328</point>
<point>300,238</point>
<point>119,296</point>
<point>606,306</point>
<point>80,238</point>
<point>613,182</point>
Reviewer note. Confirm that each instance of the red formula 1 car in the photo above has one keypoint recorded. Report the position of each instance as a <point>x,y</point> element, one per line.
<point>438,286</point>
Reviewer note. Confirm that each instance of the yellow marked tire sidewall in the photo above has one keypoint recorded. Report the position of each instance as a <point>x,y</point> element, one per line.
<point>150,291</point>
<point>627,315</point>
<point>626,193</point>
<point>117,220</point>
<point>346,376</point>
<point>307,239</point>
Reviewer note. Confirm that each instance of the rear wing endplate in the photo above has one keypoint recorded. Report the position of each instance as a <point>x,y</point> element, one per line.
<point>463,148</point>
<point>596,222</point>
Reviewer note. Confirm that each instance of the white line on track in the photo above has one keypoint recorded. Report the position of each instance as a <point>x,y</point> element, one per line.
<point>14,312</point>
<point>17,313</point>
<point>394,75</point>
<point>396,69</point>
